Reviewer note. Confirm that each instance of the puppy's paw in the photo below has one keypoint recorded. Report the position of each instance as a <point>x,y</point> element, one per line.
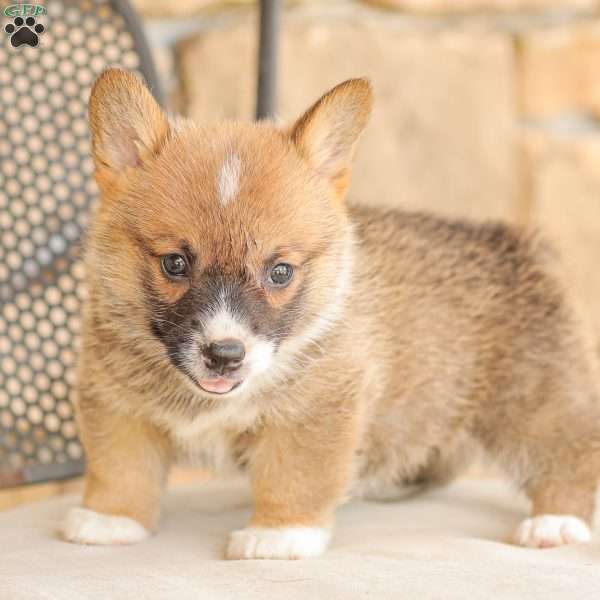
<point>84,526</point>
<point>283,543</point>
<point>547,531</point>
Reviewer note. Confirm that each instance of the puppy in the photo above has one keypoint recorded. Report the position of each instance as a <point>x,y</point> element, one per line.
<point>241,314</point>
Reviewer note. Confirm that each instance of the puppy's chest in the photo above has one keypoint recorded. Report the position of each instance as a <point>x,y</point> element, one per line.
<point>218,440</point>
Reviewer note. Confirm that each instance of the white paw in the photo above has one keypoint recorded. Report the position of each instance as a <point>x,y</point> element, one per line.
<point>547,531</point>
<point>84,526</point>
<point>286,542</point>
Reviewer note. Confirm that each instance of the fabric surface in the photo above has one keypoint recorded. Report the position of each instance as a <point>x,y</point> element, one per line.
<point>443,545</point>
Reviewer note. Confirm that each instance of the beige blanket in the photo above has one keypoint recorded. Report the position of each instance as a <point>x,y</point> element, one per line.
<point>443,545</point>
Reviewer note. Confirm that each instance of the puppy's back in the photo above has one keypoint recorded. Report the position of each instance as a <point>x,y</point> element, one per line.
<point>472,266</point>
<point>467,301</point>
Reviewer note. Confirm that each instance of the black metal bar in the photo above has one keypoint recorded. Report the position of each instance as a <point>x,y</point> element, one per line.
<point>268,58</point>
<point>147,67</point>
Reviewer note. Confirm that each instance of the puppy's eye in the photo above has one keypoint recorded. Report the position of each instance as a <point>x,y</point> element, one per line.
<point>281,274</point>
<point>174,265</point>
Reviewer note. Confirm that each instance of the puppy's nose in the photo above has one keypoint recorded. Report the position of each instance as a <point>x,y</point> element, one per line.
<point>224,355</point>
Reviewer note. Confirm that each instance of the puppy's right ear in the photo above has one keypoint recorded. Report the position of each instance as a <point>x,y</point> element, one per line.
<point>128,126</point>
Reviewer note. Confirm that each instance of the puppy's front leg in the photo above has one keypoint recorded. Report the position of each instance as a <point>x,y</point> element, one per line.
<point>127,462</point>
<point>299,475</point>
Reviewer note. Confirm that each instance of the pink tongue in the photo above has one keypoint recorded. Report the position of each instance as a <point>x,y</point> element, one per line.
<point>219,385</point>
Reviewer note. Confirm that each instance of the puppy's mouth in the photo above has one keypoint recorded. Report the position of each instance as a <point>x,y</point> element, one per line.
<point>218,385</point>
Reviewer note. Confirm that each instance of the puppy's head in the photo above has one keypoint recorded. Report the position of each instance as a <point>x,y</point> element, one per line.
<point>221,249</point>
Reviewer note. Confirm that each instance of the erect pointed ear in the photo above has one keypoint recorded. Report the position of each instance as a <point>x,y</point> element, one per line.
<point>327,133</point>
<point>128,126</point>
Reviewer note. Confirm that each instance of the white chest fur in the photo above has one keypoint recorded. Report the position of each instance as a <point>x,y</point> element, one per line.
<point>208,440</point>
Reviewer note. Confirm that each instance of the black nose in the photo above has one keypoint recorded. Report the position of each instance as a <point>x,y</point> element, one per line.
<point>224,355</point>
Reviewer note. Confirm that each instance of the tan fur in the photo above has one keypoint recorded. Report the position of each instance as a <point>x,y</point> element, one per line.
<point>418,339</point>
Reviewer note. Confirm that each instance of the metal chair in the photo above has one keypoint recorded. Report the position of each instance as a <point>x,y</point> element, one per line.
<point>46,193</point>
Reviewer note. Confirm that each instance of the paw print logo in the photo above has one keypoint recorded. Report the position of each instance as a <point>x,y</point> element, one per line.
<point>24,31</point>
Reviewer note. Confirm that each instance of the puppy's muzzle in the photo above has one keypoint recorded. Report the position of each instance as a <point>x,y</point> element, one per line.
<point>224,356</point>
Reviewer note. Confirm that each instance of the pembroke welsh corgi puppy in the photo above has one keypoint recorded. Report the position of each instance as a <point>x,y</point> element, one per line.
<point>240,313</point>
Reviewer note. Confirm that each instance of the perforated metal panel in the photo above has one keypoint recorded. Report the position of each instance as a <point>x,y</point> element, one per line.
<point>46,192</point>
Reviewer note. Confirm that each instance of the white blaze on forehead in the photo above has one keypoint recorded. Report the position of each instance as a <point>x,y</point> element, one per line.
<point>229,179</point>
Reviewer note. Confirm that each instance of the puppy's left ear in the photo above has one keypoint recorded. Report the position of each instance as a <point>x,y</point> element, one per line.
<point>327,133</point>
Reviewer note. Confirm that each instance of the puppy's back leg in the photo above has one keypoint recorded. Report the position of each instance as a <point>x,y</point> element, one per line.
<point>552,450</point>
<point>562,512</point>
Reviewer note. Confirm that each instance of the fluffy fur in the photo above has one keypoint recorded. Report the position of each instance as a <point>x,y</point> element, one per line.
<point>402,341</point>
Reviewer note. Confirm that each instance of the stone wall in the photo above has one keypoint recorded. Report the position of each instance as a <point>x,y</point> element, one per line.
<point>484,109</point>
